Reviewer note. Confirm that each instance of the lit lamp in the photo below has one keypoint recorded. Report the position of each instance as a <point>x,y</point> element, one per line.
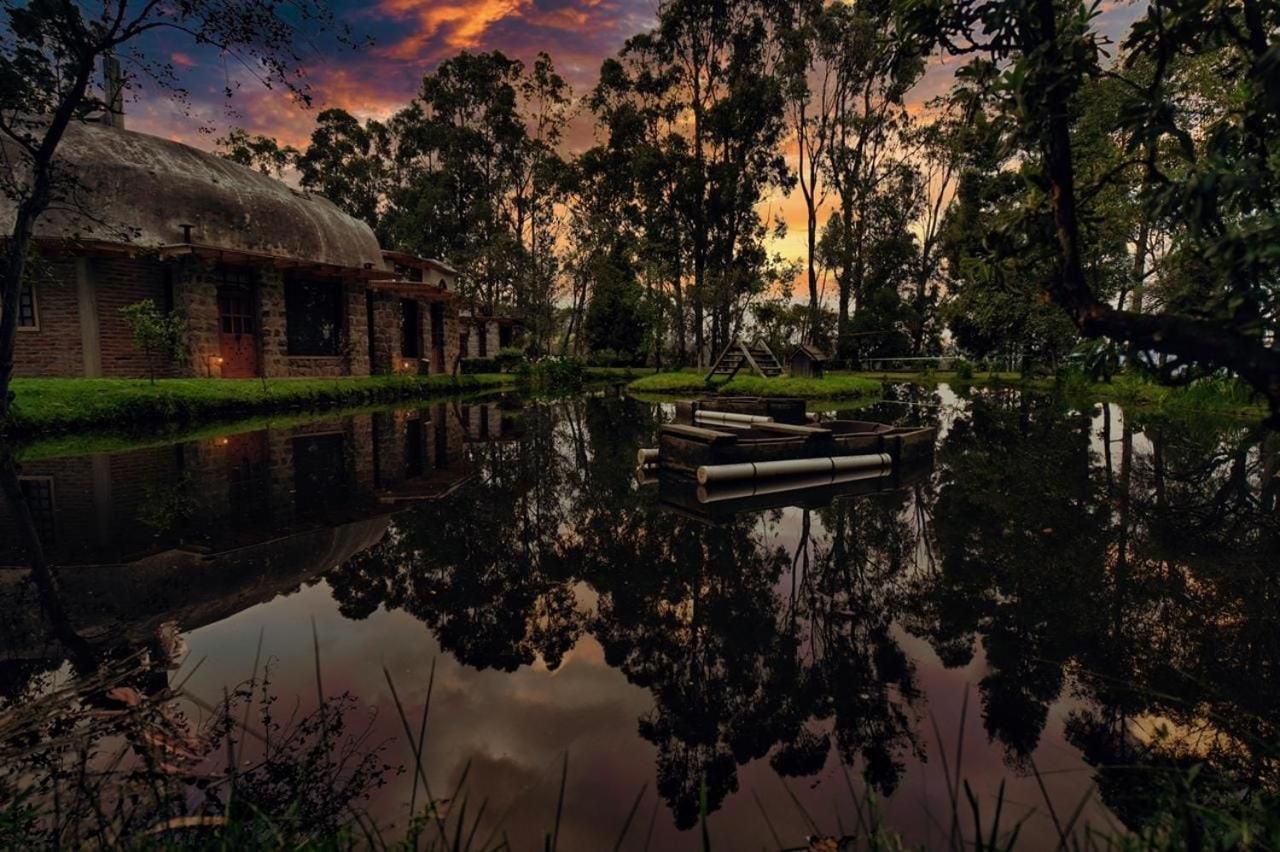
<point>214,361</point>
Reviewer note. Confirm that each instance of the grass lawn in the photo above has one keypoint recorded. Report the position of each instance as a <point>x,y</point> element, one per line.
<point>62,405</point>
<point>832,387</point>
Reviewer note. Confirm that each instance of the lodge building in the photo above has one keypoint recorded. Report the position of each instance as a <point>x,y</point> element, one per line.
<point>270,280</point>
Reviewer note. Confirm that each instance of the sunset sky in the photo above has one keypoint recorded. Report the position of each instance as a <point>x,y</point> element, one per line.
<point>411,37</point>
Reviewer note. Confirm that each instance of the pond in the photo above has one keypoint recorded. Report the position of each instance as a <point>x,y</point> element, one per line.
<point>1066,612</point>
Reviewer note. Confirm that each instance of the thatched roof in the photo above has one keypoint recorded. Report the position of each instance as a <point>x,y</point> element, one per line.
<point>138,190</point>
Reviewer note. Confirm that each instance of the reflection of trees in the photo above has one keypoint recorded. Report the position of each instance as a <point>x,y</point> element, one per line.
<point>481,568</point>
<point>1135,578</point>
<point>1123,570</point>
<point>698,615</point>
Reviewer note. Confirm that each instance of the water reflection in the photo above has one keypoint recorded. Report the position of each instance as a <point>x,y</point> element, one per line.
<point>1114,571</point>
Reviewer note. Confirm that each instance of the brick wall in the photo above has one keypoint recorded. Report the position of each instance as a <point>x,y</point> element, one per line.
<point>54,348</point>
<point>117,283</point>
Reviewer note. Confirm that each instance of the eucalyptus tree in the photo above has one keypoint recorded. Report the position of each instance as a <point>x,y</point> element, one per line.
<point>809,72</point>
<point>256,151</point>
<point>1211,175</point>
<point>346,162</point>
<point>866,158</point>
<point>50,51</point>
<point>709,74</point>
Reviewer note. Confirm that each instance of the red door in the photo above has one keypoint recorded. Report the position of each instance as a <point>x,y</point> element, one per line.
<point>237,332</point>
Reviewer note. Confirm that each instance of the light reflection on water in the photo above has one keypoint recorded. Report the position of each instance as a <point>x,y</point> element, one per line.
<point>1060,579</point>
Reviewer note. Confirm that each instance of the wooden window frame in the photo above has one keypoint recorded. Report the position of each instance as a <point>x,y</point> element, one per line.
<point>339,318</point>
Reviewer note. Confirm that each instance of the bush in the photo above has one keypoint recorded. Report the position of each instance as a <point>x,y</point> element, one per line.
<point>554,375</point>
<point>964,370</point>
<point>475,366</point>
<point>510,358</point>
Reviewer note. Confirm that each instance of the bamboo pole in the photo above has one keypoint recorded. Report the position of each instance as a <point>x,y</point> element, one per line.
<point>791,467</point>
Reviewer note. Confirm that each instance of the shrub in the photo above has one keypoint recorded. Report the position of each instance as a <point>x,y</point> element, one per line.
<point>474,366</point>
<point>964,370</point>
<point>510,358</point>
<point>156,333</point>
<point>554,375</point>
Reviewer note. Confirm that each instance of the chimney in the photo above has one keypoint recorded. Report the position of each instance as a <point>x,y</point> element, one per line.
<point>113,89</point>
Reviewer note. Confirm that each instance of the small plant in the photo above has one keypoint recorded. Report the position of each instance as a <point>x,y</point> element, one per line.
<point>964,370</point>
<point>156,333</point>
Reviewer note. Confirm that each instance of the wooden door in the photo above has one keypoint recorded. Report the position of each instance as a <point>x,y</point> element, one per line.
<point>237,332</point>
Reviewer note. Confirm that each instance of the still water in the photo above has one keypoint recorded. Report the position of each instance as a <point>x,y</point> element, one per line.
<point>1087,596</point>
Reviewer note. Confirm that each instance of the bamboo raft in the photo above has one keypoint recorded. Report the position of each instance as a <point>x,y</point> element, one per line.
<point>716,503</point>
<point>736,439</point>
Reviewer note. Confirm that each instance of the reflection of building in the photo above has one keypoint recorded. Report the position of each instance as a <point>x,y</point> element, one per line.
<point>234,490</point>
<point>270,281</point>
<point>197,531</point>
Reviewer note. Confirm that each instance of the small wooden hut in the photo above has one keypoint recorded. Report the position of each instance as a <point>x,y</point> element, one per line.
<point>807,361</point>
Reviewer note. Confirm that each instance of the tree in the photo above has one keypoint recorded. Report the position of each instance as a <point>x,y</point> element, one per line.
<point>866,163</point>
<point>48,57</point>
<point>614,315</point>
<point>1211,176</point>
<point>706,78</point>
<point>811,74</point>
<point>156,333</point>
<point>257,152</point>
<point>346,162</point>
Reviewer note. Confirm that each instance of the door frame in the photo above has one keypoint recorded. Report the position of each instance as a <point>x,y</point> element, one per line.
<point>246,283</point>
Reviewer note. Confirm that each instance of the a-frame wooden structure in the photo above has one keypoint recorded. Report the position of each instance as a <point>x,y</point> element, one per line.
<point>757,356</point>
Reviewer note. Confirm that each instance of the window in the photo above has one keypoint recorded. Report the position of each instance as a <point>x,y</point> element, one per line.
<point>410,329</point>
<point>235,311</point>
<point>27,317</point>
<point>313,311</point>
<point>415,453</point>
<point>483,329</point>
<point>319,472</point>
<point>39,494</point>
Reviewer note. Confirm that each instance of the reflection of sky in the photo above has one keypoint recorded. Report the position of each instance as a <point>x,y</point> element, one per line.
<point>514,728</point>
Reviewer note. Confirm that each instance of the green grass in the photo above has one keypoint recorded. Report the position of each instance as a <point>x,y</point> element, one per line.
<point>930,378</point>
<point>65,405</point>
<point>833,387</point>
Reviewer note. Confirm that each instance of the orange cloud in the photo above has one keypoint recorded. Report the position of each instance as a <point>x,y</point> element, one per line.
<point>460,25</point>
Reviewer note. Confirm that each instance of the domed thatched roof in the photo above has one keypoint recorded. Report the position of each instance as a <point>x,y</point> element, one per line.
<point>136,189</point>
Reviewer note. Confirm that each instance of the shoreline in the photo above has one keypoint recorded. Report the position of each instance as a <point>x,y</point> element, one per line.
<point>49,407</point>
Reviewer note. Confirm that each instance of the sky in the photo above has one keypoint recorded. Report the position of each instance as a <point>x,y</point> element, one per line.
<point>411,37</point>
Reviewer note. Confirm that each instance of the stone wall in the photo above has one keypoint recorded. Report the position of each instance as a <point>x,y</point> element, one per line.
<point>195,297</point>
<point>276,360</point>
<point>386,333</point>
<point>491,338</point>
